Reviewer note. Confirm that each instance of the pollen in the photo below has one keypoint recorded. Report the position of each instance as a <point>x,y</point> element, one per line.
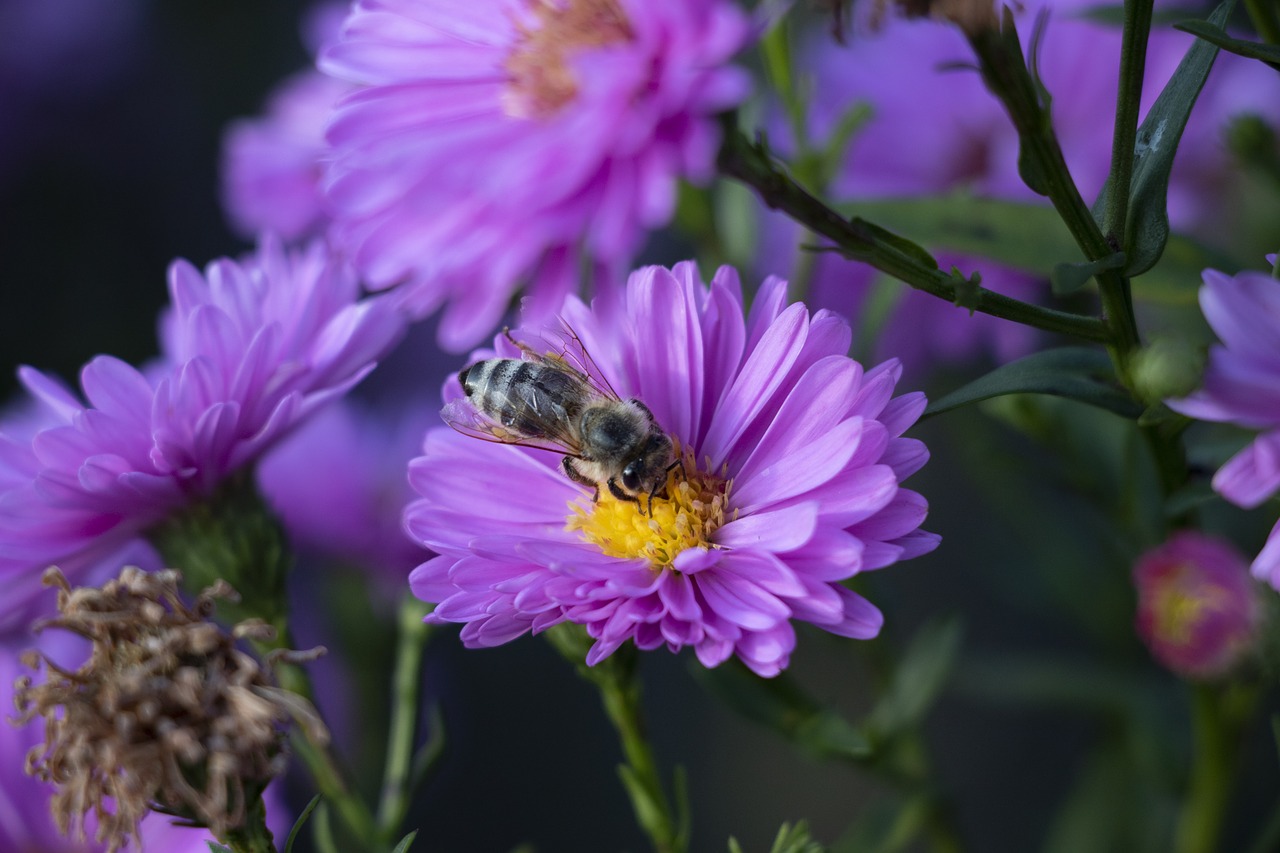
<point>540,65</point>
<point>1182,604</point>
<point>695,503</point>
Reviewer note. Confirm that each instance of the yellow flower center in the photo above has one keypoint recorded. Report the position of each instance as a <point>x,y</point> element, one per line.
<point>1181,603</point>
<point>693,507</point>
<point>542,79</point>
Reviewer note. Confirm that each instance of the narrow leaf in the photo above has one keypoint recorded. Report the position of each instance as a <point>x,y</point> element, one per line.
<point>917,679</point>
<point>1067,279</point>
<point>1268,53</point>
<point>1078,373</point>
<point>885,827</point>
<point>403,846</point>
<point>1147,228</point>
<point>298,824</point>
<point>215,847</point>
<point>780,704</point>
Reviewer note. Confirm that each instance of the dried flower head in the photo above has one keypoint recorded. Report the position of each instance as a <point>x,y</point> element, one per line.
<point>971,16</point>
<point>166,713</point>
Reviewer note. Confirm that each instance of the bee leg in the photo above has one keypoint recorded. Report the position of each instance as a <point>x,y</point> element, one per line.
<point>623,496</point>
<point>574,474</point>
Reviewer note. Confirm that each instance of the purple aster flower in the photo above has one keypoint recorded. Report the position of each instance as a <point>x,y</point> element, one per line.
<point>1198,610</point>
<point>489,142</point>
<point>272,164</point>
<point>1242,386</point>
<point>26,820</point>
<point>249,350</point>
<point>790,460</point>
<point>349,507</point>
<point>934,128</point>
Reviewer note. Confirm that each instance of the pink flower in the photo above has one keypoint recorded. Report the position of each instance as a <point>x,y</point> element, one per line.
<point>1242,386</point>
<point>488,142</point>
<point>249,350</point>
<point>1197,607</point>
<point>789,484</point>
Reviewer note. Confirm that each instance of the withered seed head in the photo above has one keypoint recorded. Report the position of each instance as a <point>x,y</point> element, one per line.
<point>167,713</point>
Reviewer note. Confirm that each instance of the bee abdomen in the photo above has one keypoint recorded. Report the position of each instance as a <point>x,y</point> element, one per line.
<point>520,395</point>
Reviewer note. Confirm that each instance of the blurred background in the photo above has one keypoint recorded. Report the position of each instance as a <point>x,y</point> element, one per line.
<point>111,117</point>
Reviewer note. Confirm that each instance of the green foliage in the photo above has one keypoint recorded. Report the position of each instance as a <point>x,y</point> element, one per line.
<point>1077,373</point>
<point>1147,228</point>
<point>781,704</point>
<point>1215,35</point>
<point>405,843</point>
<point>300,822</point>
<point>916,680</point>
<point>886,826</point>
<point>790,839</point>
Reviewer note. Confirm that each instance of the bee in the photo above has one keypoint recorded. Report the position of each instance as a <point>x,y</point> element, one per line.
<point>543,401</point>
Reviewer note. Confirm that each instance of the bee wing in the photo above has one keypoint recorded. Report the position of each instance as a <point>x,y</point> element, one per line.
<point>464,418</point>
<point>566,350</point>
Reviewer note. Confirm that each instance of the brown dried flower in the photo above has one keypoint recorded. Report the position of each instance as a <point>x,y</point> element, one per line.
<point>973,17</point>
<point>167,713</point>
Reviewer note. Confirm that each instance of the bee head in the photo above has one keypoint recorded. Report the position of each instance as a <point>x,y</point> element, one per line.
<point>647,472</point>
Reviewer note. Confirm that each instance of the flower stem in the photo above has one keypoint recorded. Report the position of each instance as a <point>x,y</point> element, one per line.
<point>862,241</point>
<point>1133,60</point>
<point>619,684</point>
<point>1217,716</point>
<point>1044,169</point>
<point>252,836</point>
<point>406,689</point>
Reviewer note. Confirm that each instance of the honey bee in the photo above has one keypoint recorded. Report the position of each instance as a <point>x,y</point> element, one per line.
<point>543,401</point>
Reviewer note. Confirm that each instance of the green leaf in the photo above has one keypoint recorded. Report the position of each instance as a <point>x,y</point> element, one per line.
<point>403,846</point>
<point>895,241</point>
<point>215,847</point>
<point>298,824</point>
<point>780,704</point>
<point>917,679</point>
<point>1147,228</point>
<point>1268,53</point>
<point>1078,373</point>
<point>885,827</point>
<point>1070,278</point>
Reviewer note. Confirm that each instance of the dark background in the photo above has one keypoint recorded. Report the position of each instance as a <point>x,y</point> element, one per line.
<point>109,148</point>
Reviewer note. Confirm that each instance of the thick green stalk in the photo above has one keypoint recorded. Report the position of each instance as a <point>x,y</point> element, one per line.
<point>752,165</point>
<point>406,689</point>
<point>1218,713</point>
<point>1133,60</point>
<point>618,681</point>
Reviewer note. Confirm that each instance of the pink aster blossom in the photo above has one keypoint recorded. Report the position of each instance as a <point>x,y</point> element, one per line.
<point>249,350</point>
<point>1198,610</point>
<point>1242,386</point>
<point>272,164</point>
<point>790,484</point>
<point>488,142</point>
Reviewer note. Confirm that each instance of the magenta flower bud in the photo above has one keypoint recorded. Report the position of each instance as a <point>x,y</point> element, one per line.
<point>1198,610</point>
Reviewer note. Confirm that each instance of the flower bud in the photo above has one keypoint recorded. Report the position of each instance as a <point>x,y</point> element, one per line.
<point>1168,367</point>
<point>1198,610</point>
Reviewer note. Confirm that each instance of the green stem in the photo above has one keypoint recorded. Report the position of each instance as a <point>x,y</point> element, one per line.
<point>1133,60</point>
<point>252,836</point>
<point>864,242</point>
<point>1045,170</point>
<point>397,776</point>
<point>1265,19</point>
<point>619,684</point>
<point>1217,714</point>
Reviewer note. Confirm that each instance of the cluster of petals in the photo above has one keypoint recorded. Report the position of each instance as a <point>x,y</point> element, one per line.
<point>445,177</point>
<point>934,127</point>
<point>811,442</point>
<point>1198,609</point>
<point>248,350</point>
<point>1242,387</point>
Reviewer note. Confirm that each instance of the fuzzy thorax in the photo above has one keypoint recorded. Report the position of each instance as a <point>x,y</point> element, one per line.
<point>695,504</point>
